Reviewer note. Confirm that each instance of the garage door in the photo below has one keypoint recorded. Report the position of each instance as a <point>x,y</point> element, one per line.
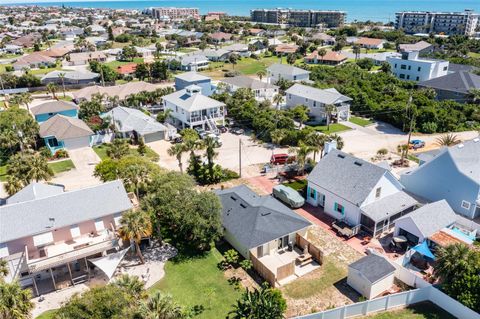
<point>74,143</point>
<point>154,137</point>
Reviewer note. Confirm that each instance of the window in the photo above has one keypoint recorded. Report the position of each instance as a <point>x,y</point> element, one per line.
<point>418,78</point>
<point>306,100</point>
<point>408,77</point>
<point>43,239</point>
<point>116,219</point>
<point>409,67</point>
<point>465,204</point>
<point>314,103</point>
<point>403,67</point>
<point>99,226</point>
<point>312,193</point>
<point>419,69</point>
<point>378,192</point>
<point>445,68</point>
<point>402,76</point>
<point>339,208</point>
<point>289,96</point>
<point>395,65</point>
<point>75,231</point>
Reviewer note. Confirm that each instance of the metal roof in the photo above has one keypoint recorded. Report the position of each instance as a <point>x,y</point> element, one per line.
<point>325,96</point>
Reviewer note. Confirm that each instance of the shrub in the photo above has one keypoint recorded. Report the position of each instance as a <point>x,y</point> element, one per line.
<point>9,68</point>
<point>231,74</point>
<point>61,154</point>
<point>246,264</point>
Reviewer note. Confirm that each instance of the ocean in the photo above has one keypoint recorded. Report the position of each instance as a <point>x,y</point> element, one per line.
<point>361,10</point>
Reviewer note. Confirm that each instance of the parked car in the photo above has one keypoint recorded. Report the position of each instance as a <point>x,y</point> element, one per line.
<point>416,144</point>
<point>278,159</point>
<point>216,138</point>
<point>288,196</point>
<point>222,129</point>
<point>237,131</point>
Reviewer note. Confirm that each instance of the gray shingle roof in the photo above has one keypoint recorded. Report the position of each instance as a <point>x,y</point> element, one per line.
<point>421,45</point>
<point>326,96</point>
<point>432,217</point>
<point>286,69</point>
<point>71,75</point>
<point>68,208</point>
<point>373,267</point>
<point>346,176</point>
<point>191,102</point>
<point>53,107</point>
<point>388,206</point>
<point>64,127</point>
<point>191,76</point>
<point>127,120</point>
<point>249,83</point>
<point>461,82</point>
<point>34,191</point>
<point>255,220</point>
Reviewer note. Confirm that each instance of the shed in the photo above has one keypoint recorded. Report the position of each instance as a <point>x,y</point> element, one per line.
<point>371,275</point>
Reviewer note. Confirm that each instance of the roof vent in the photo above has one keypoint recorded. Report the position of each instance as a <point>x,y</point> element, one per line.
<point>461,145</point>
<point>234,198</point>
<point>357,163</point>
<point>243,205</point>
<point>341,155</point>
<point>266,214</point>
<point>476,139</point>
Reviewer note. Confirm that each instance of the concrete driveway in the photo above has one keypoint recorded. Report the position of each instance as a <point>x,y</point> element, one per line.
<point>84,160</point>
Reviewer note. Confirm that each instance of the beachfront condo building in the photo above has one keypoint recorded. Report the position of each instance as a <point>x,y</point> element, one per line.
<point>175,14</point>
<point>299,18</point>
<point>448,23</point>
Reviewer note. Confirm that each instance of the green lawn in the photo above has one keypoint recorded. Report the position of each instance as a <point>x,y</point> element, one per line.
<point>101,151</point>
<point>198,282</point>
<point>297,185</point>
<point>44,71</point>
<point>3,173</point>
<point>474,55</point>
<point>424,310</point>
<point>47,315</point>
<point>61,166</point>
<point>360,121</point>
<point>116,64</point>
<point>187,50</point>
<point>3,67</point>
<point>334,128</point>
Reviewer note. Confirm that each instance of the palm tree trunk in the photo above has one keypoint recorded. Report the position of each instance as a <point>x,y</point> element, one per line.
<point>139,253</point>
<point>180,165</point>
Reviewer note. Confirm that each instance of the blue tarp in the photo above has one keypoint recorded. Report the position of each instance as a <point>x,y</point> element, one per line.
<point>424,250</point>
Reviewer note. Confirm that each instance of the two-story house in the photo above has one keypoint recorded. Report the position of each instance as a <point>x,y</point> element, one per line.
<point>453,174</point>
<point>287,72</point>
<point>317,99</point>
<point>48,236</point>
<point>190,108</point>
<point>358,192</point>
<point>44,111</point>
<point>410,67</point>
<point>193,78</point>
<point>261,90</point>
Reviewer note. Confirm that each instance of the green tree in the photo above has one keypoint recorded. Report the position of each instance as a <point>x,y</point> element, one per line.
<point>129,53</point>
<point>263,303</point>
<point>356,50</point>
<point>317,142</point>
<point>14,301</point>
<point>233,59</point>
<point>135,225</point>
<point>329,109</point>
<point>322,52</point>
<point>92,108</point>
<point>52,89</point>
<point>142,71</point>
<point>163,116</point>
<point>210,145</point>
<point>133,285</point>
<point>301,153</point>
<point>261,74</point>
<point>366,63</point>
<point>177,150</point>
<point>62,78</point>
<point>447,140</point>
<point>161,306</point>
<point>118,148</point>
<point>300,113</point>
<point>17,130</point>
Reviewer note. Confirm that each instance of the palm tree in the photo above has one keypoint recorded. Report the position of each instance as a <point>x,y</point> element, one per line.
<point>317,142</point>
<point>26,99</point>
<point>210,145</point>
<point>322,52</point>
<point>131,284</point>
<point>447,140</point>
<point>161,306</point>
<point>356,50</point>
<point>265,302</point>
<point>402,149</point>
<point>38,169</point>
<point>13,185</point>
<point>452,260</point>
<point>475,95</point>
<point>277,99</point>
<point>261,74</point>
<point>135,225</point>
<point>177,150</point>
<point>277,136</point>
<point>301,153</point>
<point>14,301</point>
<point>3,268</point>
<point>136,176</point>
<point>338,140</point>
<point>329,109</point>
<point>52,88</point>
<point>62,78</point>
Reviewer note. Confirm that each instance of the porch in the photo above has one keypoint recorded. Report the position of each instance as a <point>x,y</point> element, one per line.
<point>53,144</point>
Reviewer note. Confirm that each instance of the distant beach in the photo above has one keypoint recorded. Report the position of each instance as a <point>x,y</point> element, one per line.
<point>361,10</point>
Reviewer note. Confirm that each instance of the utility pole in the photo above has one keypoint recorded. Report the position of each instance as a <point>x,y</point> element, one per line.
<point>101,73</point>
<point>240,157</point>
<point>5,95</point>
<point>412,120</point>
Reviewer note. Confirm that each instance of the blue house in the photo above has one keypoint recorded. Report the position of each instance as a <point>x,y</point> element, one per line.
<point>45,111</point>
<point>193,78</point>
<point>63,132</point>
<point>453,174</point>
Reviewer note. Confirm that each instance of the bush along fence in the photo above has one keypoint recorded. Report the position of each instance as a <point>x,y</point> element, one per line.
<point>398,300</point>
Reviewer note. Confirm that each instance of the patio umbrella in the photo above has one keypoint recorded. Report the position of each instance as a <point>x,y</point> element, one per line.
<point>424,250</point>
<point>109,263</point>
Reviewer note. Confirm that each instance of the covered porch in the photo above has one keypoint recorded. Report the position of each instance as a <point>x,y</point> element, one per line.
<point>53,144</point>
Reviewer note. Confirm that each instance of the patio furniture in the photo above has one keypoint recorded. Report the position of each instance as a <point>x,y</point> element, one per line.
<point>304,259</point>
<point>344,229</point>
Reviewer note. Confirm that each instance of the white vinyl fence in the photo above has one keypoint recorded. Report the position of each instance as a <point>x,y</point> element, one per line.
<point>102,138</point>
<point>402,299</point>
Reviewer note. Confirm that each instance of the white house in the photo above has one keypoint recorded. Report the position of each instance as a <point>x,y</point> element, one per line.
<point>371,275</point>
<point>278,71</point>
<point>262,90</point>
<point>410,67</point>
<point>317,99</point>
<point>190,108</point>
<point>358,192</point>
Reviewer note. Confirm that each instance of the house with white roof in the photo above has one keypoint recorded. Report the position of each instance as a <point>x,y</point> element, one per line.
<point>453,174</point>
<point>70,77</point>
<point>50,238</point>
<point>190,108</point>
<point>411,67</point>
<point>183,80</point>
<point>361,194</point>
<point>287,72</point>
<point>134,123</point>
<point>261,90</point>
<point>316,100</point>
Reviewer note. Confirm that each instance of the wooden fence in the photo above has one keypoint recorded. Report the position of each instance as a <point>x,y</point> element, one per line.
<point>266,273</point>
<point>316,252</point>
<point>286,270</point>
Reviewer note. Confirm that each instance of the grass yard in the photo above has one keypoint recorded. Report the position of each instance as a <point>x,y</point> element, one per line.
<point>424,310</point>
<point>246,66</point>
<point>116,64</point>
<point>187,50</point>
<point>360,121</point>
<point>334,128</point>
<point>61,166</point>
<point>198,282</point>
<point>45,71</point>
<point>47,315</point>
<point>101,151</point>
<point>3,173</point>
<point>3,67</point>
<point>474,55</point>
<point>297,185</point>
